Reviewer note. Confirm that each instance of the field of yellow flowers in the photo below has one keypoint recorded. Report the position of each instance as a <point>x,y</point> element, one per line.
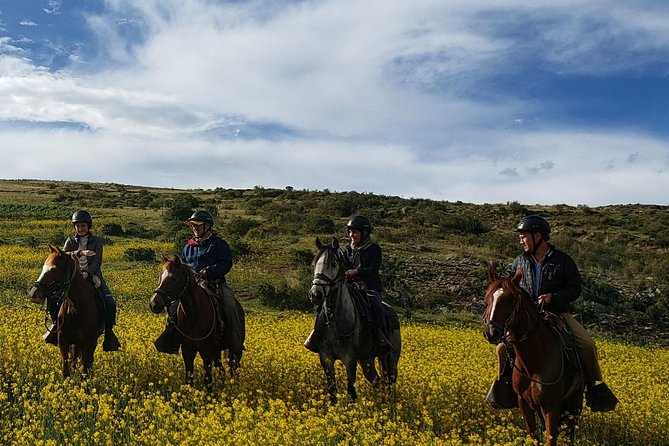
<point>137,395</point>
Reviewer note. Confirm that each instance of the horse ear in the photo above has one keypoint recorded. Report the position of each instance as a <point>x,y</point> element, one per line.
<point>164,259</point>
<point>176,260</point>
<point>519,275</point>
<point>335,243</point>
<point>52,248</point>
<point>492,274</point>
<point>319,244</point>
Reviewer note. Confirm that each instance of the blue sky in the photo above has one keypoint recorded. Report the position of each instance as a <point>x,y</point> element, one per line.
<point>478,101</point>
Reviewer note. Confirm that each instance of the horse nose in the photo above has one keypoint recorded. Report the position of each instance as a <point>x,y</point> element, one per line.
<point>155,305</point>
<point>36,295</point>
<point>315,295</point>
<point>492,334</point>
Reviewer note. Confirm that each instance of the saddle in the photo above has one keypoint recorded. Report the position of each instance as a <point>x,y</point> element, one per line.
<point>570,350</point>
<point>358,292</point>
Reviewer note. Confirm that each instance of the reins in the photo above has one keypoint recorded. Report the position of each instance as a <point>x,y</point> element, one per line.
<point>62,292</point>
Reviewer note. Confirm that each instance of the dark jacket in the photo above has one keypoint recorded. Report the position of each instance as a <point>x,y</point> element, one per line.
<point>559,276</point>
<point>212,256</point>
<point>368,264</point>
<point>94,244</point>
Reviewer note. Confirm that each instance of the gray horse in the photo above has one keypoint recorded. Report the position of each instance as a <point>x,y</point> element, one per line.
<point>348,336</point>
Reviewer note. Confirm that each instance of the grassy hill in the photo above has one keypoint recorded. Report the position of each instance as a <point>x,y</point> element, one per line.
<point>435,251</point>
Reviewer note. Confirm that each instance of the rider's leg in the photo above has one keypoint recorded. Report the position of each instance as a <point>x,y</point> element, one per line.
<point>51,335</point>
<point>314,339</point>
<point>598,396</point>
<point>379,315</point>
<point>501,394</point>
<point>232,321</point>
<point>111,342</point>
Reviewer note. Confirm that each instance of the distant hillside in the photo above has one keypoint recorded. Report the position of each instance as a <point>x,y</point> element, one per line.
<point>435,251</point>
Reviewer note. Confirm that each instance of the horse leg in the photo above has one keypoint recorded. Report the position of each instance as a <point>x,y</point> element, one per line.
<point>351,369</point>
<point>369,370</point>
<point>207,361</point>
<point>552,420</point>
<point>65,359</point>
<point>188,355</point>
<point>328,367</point>
<point>87,358</point>
<point>529,418</point>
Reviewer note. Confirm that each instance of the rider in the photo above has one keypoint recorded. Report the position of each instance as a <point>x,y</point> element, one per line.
<point>211,257</point>
<point>88,250</point>
<point>553,280</point>
<point>363,260</point>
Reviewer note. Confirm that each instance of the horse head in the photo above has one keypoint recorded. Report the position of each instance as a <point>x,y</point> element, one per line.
<point>173,283</point>
<point>328,267</point>
<point>502,299</point>
<point>58,272</point>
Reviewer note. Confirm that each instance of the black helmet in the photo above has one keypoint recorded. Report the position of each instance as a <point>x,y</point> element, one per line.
<point>535,223</point>
<point>82,216</point>
<point>200,217</point>
<point>360,223</point>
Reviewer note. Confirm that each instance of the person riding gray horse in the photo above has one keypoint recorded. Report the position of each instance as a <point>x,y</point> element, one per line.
<point>363,261</point>
<point>88,250</point>
<point>211,258</point>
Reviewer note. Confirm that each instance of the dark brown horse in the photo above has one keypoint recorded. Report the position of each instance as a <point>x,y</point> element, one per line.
<point>546,383</point>
<point>80,317</point>
<point>197,321</point>
<point>348,338</point>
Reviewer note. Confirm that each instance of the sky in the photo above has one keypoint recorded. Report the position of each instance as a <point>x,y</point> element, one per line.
<point>542,102</point>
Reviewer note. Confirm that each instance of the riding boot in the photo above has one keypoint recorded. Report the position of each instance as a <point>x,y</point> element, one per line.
<point>111,342</point>
<point>51,335</point>
<point>313,341</point>
<point>599,398</point>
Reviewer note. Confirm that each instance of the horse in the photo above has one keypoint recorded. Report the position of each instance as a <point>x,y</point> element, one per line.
<point>348,336</point>
<point>197,322</point>
<point>546,383</point>
<point>80,317</point>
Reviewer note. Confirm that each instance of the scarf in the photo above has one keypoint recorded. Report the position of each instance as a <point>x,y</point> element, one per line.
<point>355,257</point>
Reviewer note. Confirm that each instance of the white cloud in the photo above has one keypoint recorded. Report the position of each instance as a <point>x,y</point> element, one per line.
<point>375,96</point>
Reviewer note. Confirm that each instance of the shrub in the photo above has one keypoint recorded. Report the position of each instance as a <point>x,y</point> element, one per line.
<point>282,298</point>
<point>140,255</point>
<point>111,229</point>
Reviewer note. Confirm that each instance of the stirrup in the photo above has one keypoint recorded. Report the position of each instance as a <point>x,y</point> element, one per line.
<point>501,395</point>
<point>110,342</point>
<point>311,343</point>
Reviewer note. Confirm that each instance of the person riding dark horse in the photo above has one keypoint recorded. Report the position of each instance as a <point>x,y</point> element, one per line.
<point>87,248</point>
<point>553,280</point>
<point>363,261</point>
<point>211,258</point>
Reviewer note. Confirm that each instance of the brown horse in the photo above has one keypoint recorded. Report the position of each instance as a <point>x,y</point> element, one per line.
<point>546,383</point>
<point>197,321</point>
<point>348,338</point>
<point>80,317</point>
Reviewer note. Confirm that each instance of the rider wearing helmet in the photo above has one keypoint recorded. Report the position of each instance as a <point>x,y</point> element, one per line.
<point>363,261</point>
<point>553,280</point>
<point>88,249</point>
<point>211,257</point>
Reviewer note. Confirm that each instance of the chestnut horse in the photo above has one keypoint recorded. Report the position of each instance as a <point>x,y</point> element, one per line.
<point>197,322</point>
<point>348,337</point>
<point>546,383</point>
<point>80,320</point>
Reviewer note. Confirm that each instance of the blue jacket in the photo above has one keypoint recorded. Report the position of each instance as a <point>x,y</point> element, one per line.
<point>212,257</point>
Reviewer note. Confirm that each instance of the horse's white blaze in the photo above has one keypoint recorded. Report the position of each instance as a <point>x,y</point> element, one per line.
<point>496,295</point>
<point>45,269</point>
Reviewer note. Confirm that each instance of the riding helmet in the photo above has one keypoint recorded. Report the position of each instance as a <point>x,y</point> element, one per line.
<point>200,217</point>
<point>535,223</point>
<point>360,223</point>
<point>82,216</point>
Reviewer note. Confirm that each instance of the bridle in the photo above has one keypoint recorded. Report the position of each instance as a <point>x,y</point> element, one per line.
<point>171,298</point>
<point>59,289</point>
<point>510,323</point>
<point>328,284</point>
